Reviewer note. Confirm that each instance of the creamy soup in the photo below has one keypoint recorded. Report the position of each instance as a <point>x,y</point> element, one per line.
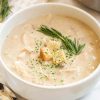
<point>52,50</point>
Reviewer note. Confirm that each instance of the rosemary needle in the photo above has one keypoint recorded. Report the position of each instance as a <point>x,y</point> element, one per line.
<point>5,9</point>
<point>73,47</point>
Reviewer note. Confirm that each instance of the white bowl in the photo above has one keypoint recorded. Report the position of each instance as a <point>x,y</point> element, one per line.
<point>39,92</point>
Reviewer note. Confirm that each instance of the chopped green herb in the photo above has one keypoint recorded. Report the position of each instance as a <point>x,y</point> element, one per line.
<point>61,80</point>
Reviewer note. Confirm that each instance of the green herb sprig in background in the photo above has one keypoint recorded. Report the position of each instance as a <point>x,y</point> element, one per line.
<point>5,9</point>
<point>72,46</point>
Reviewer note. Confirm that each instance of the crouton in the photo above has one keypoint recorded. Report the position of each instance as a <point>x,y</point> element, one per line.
<point>45,54</point>
<point>59,57</point>
<point>53,45</point>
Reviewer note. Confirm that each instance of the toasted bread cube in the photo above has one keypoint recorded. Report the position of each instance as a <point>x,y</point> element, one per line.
<point>59,57</point>
<point>53,45</point>
<point>45,54</point>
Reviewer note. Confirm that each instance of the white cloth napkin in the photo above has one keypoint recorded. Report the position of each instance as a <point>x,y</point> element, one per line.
<point>20,4</point>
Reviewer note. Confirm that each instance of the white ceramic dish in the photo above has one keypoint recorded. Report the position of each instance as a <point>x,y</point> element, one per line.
<point>39,92</point>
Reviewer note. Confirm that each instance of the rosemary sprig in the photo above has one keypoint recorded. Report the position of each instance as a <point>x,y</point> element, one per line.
<point>5,9</point>
<point>72,46</point>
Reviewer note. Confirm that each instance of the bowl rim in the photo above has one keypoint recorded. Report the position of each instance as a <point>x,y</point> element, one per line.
<point>82,81</point>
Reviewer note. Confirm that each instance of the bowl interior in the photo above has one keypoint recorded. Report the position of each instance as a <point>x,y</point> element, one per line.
<point>41,10</point>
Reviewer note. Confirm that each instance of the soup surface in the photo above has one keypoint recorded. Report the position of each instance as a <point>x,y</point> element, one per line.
<point>52,50</point>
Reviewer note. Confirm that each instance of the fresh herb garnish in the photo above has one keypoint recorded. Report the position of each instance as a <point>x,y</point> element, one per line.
<point>72,46</point>
<point>5,9</point>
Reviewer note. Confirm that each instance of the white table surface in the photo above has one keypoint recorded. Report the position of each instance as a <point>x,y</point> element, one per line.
<point>95,93</point>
